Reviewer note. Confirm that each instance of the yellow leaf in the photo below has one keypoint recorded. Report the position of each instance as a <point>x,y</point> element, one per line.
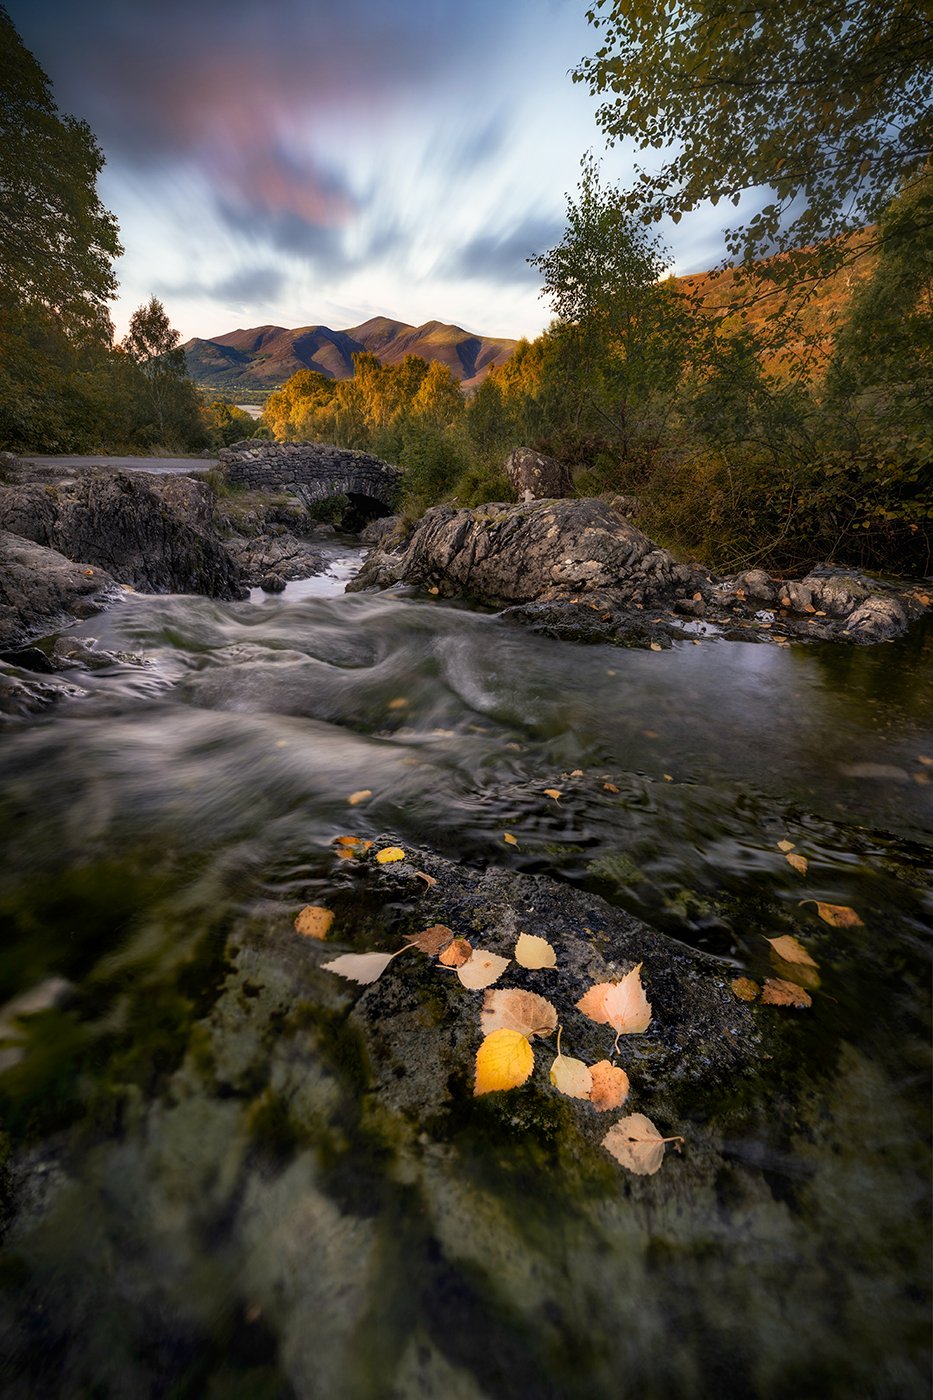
<point>482,969</point>
<point>360,967</point>
<point>799,863</point>
<point>791,950</point>
<point>636,1143</point>
<point>459,952</point>
<point>553,792</point>
<point>356,797</point>
<point>610,787</point>
<point>314,921</point>
<point>399,703</point>
<point>668,777</point>
<point>509,839</point>
<point>578,772</point>
<point>512,1010</point>
<point>572,1077</point>
<point>777,992</point>
<point>610,1086</point>
<point>432,940</point>
<point>388,854</point>
<point>839,915</point>
<point>744,988</point>
<point>503,1061</point>
<point>785,846</point>
<point>534,952</point>
<point>621,1005</point>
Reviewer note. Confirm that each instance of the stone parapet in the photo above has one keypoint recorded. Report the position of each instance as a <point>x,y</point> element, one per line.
<point>314,470</point>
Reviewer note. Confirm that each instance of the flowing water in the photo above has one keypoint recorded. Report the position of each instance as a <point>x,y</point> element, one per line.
<point>170,1232</point>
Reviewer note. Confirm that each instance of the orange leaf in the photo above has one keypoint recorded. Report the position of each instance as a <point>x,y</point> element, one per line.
<point>791,950</point>
<point>744,988</point>
<point>839,915</point>
<point>459,952</point>
<point>610,1086</point>
<point>314,921</point>
<point>610,787</point>
<point>621,1005</point>
<point>429,880</point>
<point>799,863</point>
<point>553,792</point>
<point>356,797</point>
<point>777,992</point>
<point>509,839</point>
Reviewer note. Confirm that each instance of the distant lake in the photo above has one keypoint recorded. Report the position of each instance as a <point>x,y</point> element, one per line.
<point>252,409</point>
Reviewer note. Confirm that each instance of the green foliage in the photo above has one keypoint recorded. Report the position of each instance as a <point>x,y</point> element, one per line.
<point>225,424</point>
<point>826,103</point>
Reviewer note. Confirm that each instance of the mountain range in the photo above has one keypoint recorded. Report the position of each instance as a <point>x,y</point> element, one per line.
<point>265,356</point>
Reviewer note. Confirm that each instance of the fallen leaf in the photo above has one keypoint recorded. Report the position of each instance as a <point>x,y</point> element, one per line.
<point>785,846</point>
<point>668,777</point>
<point>356,797</point>
<point>610,1086</point>
<point>922,758</point>
<point>799,863</point>
<point>512,1010</point>
<point>482,969</point>
<point>432,940</point>
<point>360,967</point>
<point>744,988</point>
<point>553,792</point>
<point>791,950</point>
<point>610,787</point>
<point>350,846</point>
<point>434,590</point>
<point>534,952</point>
<point>88,573</point>
<point>572,1077</point>
<point>503,1061</point>
<point>650,733</point>
<point>459,952</point>
<point>314,921</point>
<point>839,915</point>
<point>636,1143</point>
<point>777,992</point>
<point>429,880</point>
<point>656,646</point>
<point>399,703</point>
<point>578,772</point>
<point>389,854</point>
<point>801,976</point>
<point>621,1005</point>
<point>509,838</point>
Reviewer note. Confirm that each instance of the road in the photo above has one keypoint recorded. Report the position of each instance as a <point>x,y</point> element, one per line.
<point>160,466</point>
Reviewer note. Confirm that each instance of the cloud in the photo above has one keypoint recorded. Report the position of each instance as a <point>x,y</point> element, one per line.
<point>502,257</point>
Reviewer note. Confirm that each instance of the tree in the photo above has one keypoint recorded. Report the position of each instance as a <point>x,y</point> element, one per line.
<point>826,103</point>
<point>170,397</point>
<point>57,241</point>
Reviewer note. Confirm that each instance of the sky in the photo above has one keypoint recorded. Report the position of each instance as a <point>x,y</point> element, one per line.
<point>304,162</point>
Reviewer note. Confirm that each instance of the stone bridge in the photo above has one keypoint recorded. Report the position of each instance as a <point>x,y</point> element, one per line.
<point>315,471</point>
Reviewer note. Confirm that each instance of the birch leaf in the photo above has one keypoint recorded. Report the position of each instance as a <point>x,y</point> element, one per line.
<point>388,854</point>
<point>534,952</point>
<point>785,846</point>
<point>482,969</point>
<point>839,915</point>
<point>610,1086</point>
<point>572,1077</point>
<point>744,988</point>
<point>791,950</point>
<point>553,792</point>
<point>636,1143</point>
<point>503,1061</point>
<point>513,1010</point>
<point>459,952</point>
<point>360,967</point>
<point>314,921</point>
<point>799,863</point>
<point>509,839</point>
<point>777,992</point>
<point>432,940</point>
<point>360,796</point>
<point>621,1005</point>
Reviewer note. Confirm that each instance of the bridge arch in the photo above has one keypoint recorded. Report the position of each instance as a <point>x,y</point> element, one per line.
<point>316,472</point>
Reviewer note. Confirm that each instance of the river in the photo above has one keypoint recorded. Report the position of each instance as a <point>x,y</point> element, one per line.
<point>198,788</point>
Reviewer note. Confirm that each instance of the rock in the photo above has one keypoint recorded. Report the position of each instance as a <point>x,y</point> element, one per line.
<point>149,531</point>
<point>534,476</point>
<point>272,583</point>
<point>875,620</point>
<point>380,531</point>
<point>41,591</point>
<point>280,554</point>
<point>755,583</point>
<point>838,594</point>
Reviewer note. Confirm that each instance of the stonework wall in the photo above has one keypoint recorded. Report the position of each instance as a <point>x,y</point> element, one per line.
<point>315,470</point>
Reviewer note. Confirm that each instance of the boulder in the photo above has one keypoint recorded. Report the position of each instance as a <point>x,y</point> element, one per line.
<point>534,476</point>
<point>153,532</point>
<point>281,554</point>
<point>41,591</point>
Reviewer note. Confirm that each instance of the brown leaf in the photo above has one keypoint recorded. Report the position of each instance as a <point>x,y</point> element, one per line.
<point>777,992</point>
<point>636,1143</point>
<point>481,969</point>
<point>621,1005</point>
<point>459,952</point>
<point>509,839</point>
<point>610,787</point>
<point>429,880</point>
<point>534,952</point>
<point>432,940</point>
<point>356,797</point>
<point>791,950</point>
<point>314,921</point>
<point>744,988</point>
<point>839,915</point>
<point>799,863</point>
<point>610,1086</point>
<point>513,1010</point>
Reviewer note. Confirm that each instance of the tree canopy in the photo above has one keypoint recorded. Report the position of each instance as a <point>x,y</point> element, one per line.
<point>825,104</point>
<point>57,241</point>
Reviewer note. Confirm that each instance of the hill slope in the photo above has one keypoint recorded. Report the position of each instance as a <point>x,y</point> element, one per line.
<point>265,356</point>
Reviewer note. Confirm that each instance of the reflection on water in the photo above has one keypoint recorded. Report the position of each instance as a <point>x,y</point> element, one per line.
<point>202,792</point>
